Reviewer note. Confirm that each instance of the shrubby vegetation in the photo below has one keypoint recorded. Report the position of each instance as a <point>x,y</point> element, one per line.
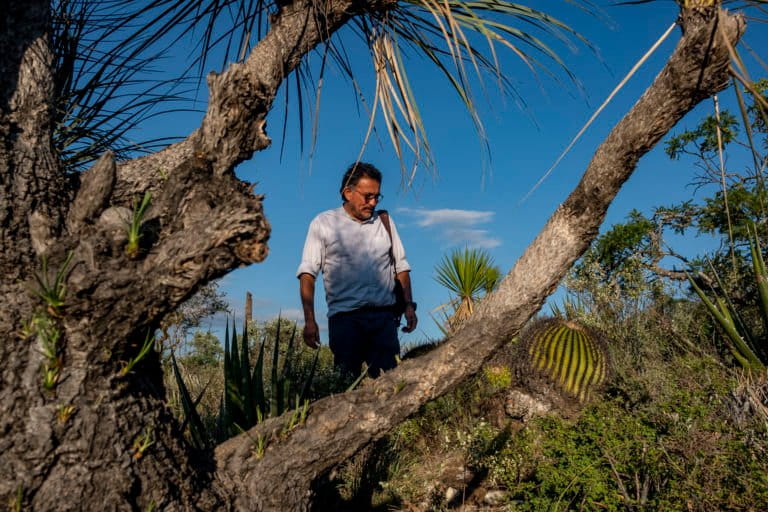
<point>679,423</point>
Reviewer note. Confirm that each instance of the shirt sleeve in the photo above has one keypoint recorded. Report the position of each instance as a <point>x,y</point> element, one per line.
<point>398,251</point>
<point>314,251</point>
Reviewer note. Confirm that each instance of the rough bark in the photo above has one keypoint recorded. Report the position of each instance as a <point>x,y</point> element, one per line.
<point>96,437</point>
<point>101,438</point>
<point>339,426</point>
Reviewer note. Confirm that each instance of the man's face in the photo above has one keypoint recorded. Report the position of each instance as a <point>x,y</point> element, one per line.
<point>362,198</point>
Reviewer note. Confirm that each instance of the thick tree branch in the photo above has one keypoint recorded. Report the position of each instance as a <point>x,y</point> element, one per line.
<point>240,97</point>
<point>32,190</point>
<point>339,426</point>
<point>199,227</point>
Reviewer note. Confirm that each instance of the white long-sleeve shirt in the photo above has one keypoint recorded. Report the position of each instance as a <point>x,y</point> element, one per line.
<point>354,259</point>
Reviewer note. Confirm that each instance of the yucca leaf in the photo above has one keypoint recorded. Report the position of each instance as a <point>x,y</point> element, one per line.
<point>275,384</point>
<point>720,311</point>
<point>195,403</point>
<point>226,403</point>
<point>233,381</point>
<point>287,363</point>
<point>258,380</point>
<point>310,377</point>
<point>227,358</point>
<point>196,428</point>
<point>235,357</point>
<point>285,392</point>
<point>222,422</point>
<point>733,315</point>
<point>761,276</point>
<point>246,387</point>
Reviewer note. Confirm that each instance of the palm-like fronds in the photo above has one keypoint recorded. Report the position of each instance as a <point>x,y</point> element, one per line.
<point>466,273</point>
<point>107,74</point>
<point>446,33</point>
<point>105,53</point>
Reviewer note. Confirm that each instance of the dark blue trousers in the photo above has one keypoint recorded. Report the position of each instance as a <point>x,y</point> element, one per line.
<point>364,336</point>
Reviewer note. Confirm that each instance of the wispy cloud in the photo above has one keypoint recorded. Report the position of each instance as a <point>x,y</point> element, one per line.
<point>455,227</point>
<point>472,237</point>
<point>447,216</point>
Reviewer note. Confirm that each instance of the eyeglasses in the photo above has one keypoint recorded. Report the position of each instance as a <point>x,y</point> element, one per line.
<point>371,197</point>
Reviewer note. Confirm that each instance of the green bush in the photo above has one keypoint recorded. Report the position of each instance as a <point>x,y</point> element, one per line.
<point>680,451</point>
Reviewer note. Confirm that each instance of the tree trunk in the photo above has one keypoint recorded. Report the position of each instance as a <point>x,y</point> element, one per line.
<point>81,427</point>
<point>339,426</point>
<point>84,429</point>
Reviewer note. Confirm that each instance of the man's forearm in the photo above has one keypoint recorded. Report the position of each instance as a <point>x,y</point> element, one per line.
<point>307,292</point>
<point>405,281</point>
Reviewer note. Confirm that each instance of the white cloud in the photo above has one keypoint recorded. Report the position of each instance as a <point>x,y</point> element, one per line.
<point>452,217</point>
<point>471,237</point>
<point>455,227</point>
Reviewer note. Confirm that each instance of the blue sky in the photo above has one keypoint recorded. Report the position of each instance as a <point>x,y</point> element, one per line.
<point>466,202</point>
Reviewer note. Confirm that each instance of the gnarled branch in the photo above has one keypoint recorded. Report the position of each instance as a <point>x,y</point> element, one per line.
<point>339,426</point>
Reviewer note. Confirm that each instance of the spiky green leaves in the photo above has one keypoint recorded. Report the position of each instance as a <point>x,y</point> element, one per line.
<point>460,39</point>
<point>569,355</point>
<point>467,273</point>
<point>745,346</point>
<point>132,248</point>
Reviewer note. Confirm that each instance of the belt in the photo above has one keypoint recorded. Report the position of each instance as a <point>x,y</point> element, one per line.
<point>369,309</point>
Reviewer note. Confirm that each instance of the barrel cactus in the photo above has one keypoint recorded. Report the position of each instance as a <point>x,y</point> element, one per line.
<point>567,354</point>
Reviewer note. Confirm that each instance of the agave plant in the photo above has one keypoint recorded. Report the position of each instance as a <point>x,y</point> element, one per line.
<point>249,396</point>
<point>748,348</point>
<point>468,274</point>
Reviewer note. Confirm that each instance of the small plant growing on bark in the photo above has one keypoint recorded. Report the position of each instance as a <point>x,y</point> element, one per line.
<point>297,417</point>
<point>16,504</point>
<point>149,342</point>
<point>49,335</point>
<point>142,443</point>
<point>64,412</point>
<point>132,248</point>
<point>260,445</point>
<point>52,291</point>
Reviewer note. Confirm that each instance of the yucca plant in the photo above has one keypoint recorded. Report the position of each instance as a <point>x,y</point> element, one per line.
<point>468,274</point>
<point>748,348</point>
<point>568,354</point>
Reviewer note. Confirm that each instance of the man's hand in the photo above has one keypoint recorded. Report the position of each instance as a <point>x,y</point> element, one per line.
<point>311,334</point>
<point>410,319</point>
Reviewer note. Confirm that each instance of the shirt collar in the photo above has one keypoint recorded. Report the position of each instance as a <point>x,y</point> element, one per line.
<point>371,220</point>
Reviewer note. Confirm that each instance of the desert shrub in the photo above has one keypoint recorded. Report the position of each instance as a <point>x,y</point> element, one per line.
<point>680,450</point>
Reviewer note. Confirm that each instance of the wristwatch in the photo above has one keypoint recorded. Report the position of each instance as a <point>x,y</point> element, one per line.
<point>413,304</point>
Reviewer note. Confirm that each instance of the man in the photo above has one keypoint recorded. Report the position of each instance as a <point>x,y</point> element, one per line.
<point>360,262</point>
